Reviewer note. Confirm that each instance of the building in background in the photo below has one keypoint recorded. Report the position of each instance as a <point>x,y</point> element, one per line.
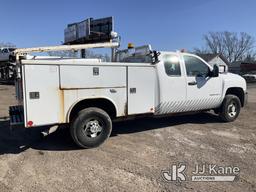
<point>240,67</point>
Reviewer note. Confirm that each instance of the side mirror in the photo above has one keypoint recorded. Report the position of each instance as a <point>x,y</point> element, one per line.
<point>214,72</point>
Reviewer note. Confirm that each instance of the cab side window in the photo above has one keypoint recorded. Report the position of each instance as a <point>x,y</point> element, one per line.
<point>172,65</point>
<point>195,67</point>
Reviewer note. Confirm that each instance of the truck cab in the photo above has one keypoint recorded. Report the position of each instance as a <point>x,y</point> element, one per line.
<point>188,83</point>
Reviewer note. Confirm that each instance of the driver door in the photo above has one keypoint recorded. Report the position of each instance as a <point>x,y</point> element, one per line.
<point>203,92</point>
<point>172,81</point>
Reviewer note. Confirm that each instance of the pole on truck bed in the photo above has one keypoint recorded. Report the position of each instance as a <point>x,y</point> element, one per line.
<point>67,47</point>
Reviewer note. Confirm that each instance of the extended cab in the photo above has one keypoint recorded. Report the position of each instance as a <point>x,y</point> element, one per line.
<point>89,94</point>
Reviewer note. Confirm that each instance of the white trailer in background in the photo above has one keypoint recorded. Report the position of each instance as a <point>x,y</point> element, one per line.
<point>89,94</point>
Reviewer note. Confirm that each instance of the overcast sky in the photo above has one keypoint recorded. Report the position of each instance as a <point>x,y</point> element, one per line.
<point>165,24</point>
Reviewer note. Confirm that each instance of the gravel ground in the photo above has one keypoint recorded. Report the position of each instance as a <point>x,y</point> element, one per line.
<point>134,156</point>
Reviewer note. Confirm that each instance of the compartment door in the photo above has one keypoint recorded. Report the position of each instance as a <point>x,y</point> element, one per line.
<point>42,95</point>
<point>141,90</point>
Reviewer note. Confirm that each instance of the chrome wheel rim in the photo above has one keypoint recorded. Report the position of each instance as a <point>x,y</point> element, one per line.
<point>93,128</point>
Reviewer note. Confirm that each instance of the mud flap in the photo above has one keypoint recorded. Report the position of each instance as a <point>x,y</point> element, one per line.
<point>16,115</point>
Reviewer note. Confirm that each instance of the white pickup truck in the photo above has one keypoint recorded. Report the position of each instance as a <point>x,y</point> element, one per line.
<point>89,94</point>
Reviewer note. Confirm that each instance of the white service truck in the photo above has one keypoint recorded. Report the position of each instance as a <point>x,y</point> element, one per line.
<point>89,94</point>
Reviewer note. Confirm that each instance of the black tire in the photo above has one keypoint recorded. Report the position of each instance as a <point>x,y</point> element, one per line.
<point>230,108</point>
<point>86,126</point>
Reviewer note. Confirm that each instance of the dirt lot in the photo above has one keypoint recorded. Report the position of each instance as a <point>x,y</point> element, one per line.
<point>132,159</point>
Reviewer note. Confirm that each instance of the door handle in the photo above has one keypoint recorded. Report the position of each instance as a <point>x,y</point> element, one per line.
<point>192,83</point>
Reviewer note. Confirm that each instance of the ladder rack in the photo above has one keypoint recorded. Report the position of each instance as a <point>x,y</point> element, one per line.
<point>66,47</point>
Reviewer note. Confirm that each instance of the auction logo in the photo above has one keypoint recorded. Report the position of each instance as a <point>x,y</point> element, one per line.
<point>176,173</point>
<point>201,172</point>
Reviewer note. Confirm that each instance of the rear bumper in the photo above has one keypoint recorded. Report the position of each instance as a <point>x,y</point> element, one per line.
<point>16,114</point>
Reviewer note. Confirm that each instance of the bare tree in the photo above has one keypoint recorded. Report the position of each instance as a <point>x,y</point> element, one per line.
<point>251,57</point>
<point>233,46</point>
<point>202,50</point>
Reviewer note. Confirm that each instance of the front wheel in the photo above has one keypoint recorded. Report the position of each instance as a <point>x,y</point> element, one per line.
<point>91,127</point>
<point>230,108</point>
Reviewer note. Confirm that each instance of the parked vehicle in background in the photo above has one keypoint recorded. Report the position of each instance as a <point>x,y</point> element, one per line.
<point>6,53</point>
<point>250,77</point>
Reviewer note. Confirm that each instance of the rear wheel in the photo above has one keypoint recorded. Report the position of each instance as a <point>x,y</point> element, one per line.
<point>91,127</point>
<point>230,108</point>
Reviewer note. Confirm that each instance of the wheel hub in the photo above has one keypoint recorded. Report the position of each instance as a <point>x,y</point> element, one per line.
<point>93,128</point>
<point>232,110</point>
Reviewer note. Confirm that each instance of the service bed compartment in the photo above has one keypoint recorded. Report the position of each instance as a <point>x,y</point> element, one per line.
<point>141,90</point>
<point>50,91</point>
<point>42,96</point>
<point>89,77</point>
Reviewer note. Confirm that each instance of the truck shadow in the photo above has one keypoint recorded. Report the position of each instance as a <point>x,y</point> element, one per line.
<point>6,82</point>
<point>20,139</point>
<point>149,123</point>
